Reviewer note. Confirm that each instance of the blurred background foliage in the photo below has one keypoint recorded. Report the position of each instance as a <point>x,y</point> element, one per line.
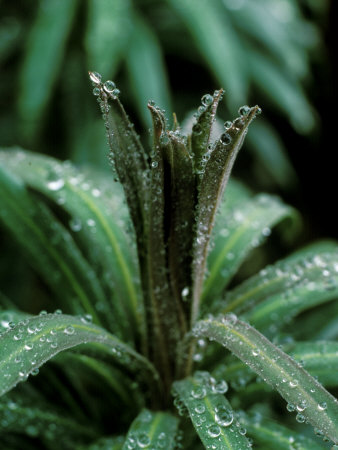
<point>272,52</point>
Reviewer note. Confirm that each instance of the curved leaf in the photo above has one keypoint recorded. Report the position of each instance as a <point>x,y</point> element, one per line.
<point>269,434</point>
<point>313,281</point>
<point>294,384</point>
<point>320,359</point>
<point>34,341</point>
<point>108,32</point>
<point>45,47</point>
<point>49,247</point>
<point>16,417</point>
<point>152,429</point>
<point>236,233</point>
<point>98,221</point>
<point>210,412</point>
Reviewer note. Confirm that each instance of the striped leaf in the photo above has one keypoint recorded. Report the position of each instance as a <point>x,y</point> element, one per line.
<point>283,373</point>
<point>237,232</point>
<point>152,429</point>
<point>98,220</point>
<point>210,412</point>
<point>32,342</point>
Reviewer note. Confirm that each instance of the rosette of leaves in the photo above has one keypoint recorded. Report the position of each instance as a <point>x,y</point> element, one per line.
<point>143,285</point>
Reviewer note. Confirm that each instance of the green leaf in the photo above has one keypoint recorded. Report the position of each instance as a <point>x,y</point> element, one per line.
<point>152,429</point>
<point>146,69</point>
<point>213,35</point>
<point>108,32</point>
<point>9,317</point>
<point>34,341</point>
<point>45,47</point>
<point>212,185</point>
<point>97,221</point>
<point>279,370</point>
<point>270,153</point>
<point>17,417</point>
<point>106,443</point>
<point>237,232</point>
<point>269,434</point>
<point>49,247</point>
<point>278,297</point>
<point>210,412</point>
<point>320,359</point>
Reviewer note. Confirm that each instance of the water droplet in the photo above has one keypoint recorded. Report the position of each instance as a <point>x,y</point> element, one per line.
<point>185,293</point>
<point>69,330</point>
<point>58,311</point>
<point>322,406</point>
<point>55,183</point>
<point>109,86</point>
<point>290,407</point>
<point>35,371</point>
<point>95,77</point>
<point>224,417</point>
<point>214,431</point>
<point>243,110</point>
<point>87,318</point>
<point>197,129</point>
<point>200,409</point>
<point>91,222</point>
<point>227,124</point>
<point>225,139</point>
<point>293,383</point>
<point>154,164</point>
<point>221,387</point>
<point>199,392</point>
<point>43,312</point>
<point>75,224</point>
<point>300,418</point>
<point>151,103</point>
<point>28,347</point>
<point>143,440</point>
<point>96,91</point>
<point>207,99</point>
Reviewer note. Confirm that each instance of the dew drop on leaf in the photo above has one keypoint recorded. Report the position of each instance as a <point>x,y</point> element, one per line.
<point>214,431</point>
<point>243,110</point>
<point>109,86</point>
<point>207,99</point>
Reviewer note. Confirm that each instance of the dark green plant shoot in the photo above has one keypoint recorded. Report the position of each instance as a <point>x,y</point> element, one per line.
<point>150,345</point>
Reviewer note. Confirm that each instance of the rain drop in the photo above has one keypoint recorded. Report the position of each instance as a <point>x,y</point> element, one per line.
<point>143,440</point>
<point>55,183</point>
<point>225,139</point>
<point>207,99</point>
<point>109,86</point>
<point>75,224</point>
<point>69,330</point>
<point>243,110</point>
<point>214,431</point>
<point>224,417</point>
<point>95,77</point>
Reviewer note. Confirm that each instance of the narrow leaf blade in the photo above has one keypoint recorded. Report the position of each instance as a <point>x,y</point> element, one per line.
<point>34,341</point>
<point>210,413</point>
<point>293,383</point>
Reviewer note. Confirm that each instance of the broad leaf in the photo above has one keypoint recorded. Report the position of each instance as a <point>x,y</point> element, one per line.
<point>32,342</point>
<point>210,412</point>
<point>284,374</point>
<point>152,429</point>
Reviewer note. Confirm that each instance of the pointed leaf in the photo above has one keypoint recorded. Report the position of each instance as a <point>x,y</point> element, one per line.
<point>45,47</point>
<point>34,341</point>
<point>213,183</point>
<point>108,32</point>
<point>146,68</point>
<point>152,429</point>
<point>236,233</point>
<point>279,370</point>
<point>210,412</point>
<point>98,221</point>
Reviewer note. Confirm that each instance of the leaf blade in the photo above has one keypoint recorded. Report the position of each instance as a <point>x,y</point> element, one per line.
<point>292,382</point>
